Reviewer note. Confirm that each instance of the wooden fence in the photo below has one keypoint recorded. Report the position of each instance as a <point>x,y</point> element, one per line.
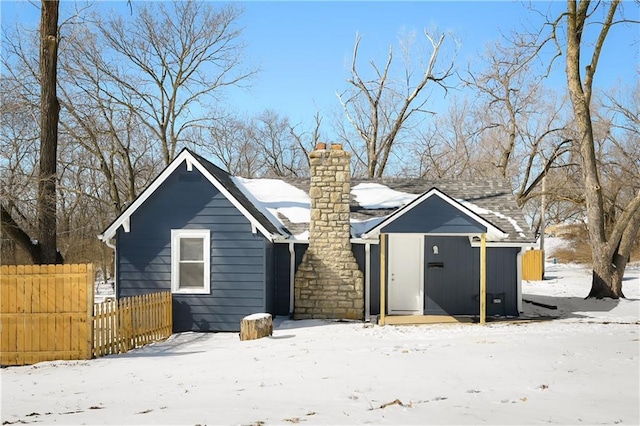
<point>533,265</point>
<point>47,313</point>
<point>130,322</point>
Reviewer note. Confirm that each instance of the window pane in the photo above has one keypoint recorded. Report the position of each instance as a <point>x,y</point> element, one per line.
<point>191,275</point>
<point>191,248</point>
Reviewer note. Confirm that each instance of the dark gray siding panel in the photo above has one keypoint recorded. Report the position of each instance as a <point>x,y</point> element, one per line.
<point>238,269</point>
<point>502,280</point>
<point>269,277</point>
<point>452,278</point>
<point>434,215</point>
<point>375,280</point>
<point>282,279</point>
<point>359,251</point>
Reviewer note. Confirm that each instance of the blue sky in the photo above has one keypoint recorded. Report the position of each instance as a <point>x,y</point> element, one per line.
<point>304,48</point>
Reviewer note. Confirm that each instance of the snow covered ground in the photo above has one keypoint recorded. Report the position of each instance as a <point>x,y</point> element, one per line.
<point>582,367</point>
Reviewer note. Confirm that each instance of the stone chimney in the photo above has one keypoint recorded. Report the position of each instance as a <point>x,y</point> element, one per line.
<point>328,283</point>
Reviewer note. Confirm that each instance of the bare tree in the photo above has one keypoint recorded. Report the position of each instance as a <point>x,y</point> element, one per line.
<point>231,143</point>
<point>19,137</point>
<point>44,248</point>
<point>262,146</point>
<point>379,108</point>
<point>522,126</point>
<point>307,140</point>
<point>109,132</point>
<point>445,147</point>
<point>617,137</point>
<point>611,246</point>
<point>177,57</point>
<point>49,115</point>
<point>282,154</point>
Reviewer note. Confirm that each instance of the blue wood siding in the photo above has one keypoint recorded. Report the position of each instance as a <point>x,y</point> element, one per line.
<point>502,280</point>
<point>452,278</point>
<point>434,215</point>
<point>186,200</point>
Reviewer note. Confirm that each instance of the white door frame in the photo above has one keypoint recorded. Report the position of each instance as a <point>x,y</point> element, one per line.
<point>405,265</point>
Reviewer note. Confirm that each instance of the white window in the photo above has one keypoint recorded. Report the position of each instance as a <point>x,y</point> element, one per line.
<point>190,261</point>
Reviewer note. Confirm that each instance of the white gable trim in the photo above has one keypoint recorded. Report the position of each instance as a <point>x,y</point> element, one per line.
<point>184,156</point>
<point>491,228</point>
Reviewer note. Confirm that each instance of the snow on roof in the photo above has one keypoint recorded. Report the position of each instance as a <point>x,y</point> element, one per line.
<point>285,204</point>
<point>359,227</point>
<point>482,211</point>
<point>377,196</point>
<point>276,197</point>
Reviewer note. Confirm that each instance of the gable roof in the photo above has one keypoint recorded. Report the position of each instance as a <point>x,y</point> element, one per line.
<point>493,231</point>
<point>489,201</point>
<point>280,208</point>
<point>218,178</point>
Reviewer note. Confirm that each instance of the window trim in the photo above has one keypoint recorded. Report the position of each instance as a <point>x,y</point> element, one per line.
<point>176,235</point>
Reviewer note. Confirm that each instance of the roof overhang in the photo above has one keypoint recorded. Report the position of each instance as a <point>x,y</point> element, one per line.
<point>476,243</point>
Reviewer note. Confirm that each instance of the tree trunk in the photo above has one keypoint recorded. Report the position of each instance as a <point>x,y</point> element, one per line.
<point>49,113</point>
<point>256,326</point>
<point>607,278</point>
<point>606,283</point>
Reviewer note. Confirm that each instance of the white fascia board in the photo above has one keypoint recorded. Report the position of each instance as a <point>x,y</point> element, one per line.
<point>352,240</point>
<point>184,156</point>
<point>501,243</point>
<point>285,240</point>
<point>374,241</point>
<point>491,228</point>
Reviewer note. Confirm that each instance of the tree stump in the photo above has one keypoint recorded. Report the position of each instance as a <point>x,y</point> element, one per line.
<point>256,326</point>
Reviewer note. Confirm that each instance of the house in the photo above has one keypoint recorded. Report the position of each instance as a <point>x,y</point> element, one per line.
<point>400,250</point>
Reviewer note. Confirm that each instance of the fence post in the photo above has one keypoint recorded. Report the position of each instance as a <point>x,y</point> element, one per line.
<point>90,330</point>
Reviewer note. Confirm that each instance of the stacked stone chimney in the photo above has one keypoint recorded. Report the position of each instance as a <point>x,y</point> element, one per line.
<point>328,283</point>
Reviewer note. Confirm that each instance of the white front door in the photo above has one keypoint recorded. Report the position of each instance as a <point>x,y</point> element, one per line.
<point>406,272</point>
